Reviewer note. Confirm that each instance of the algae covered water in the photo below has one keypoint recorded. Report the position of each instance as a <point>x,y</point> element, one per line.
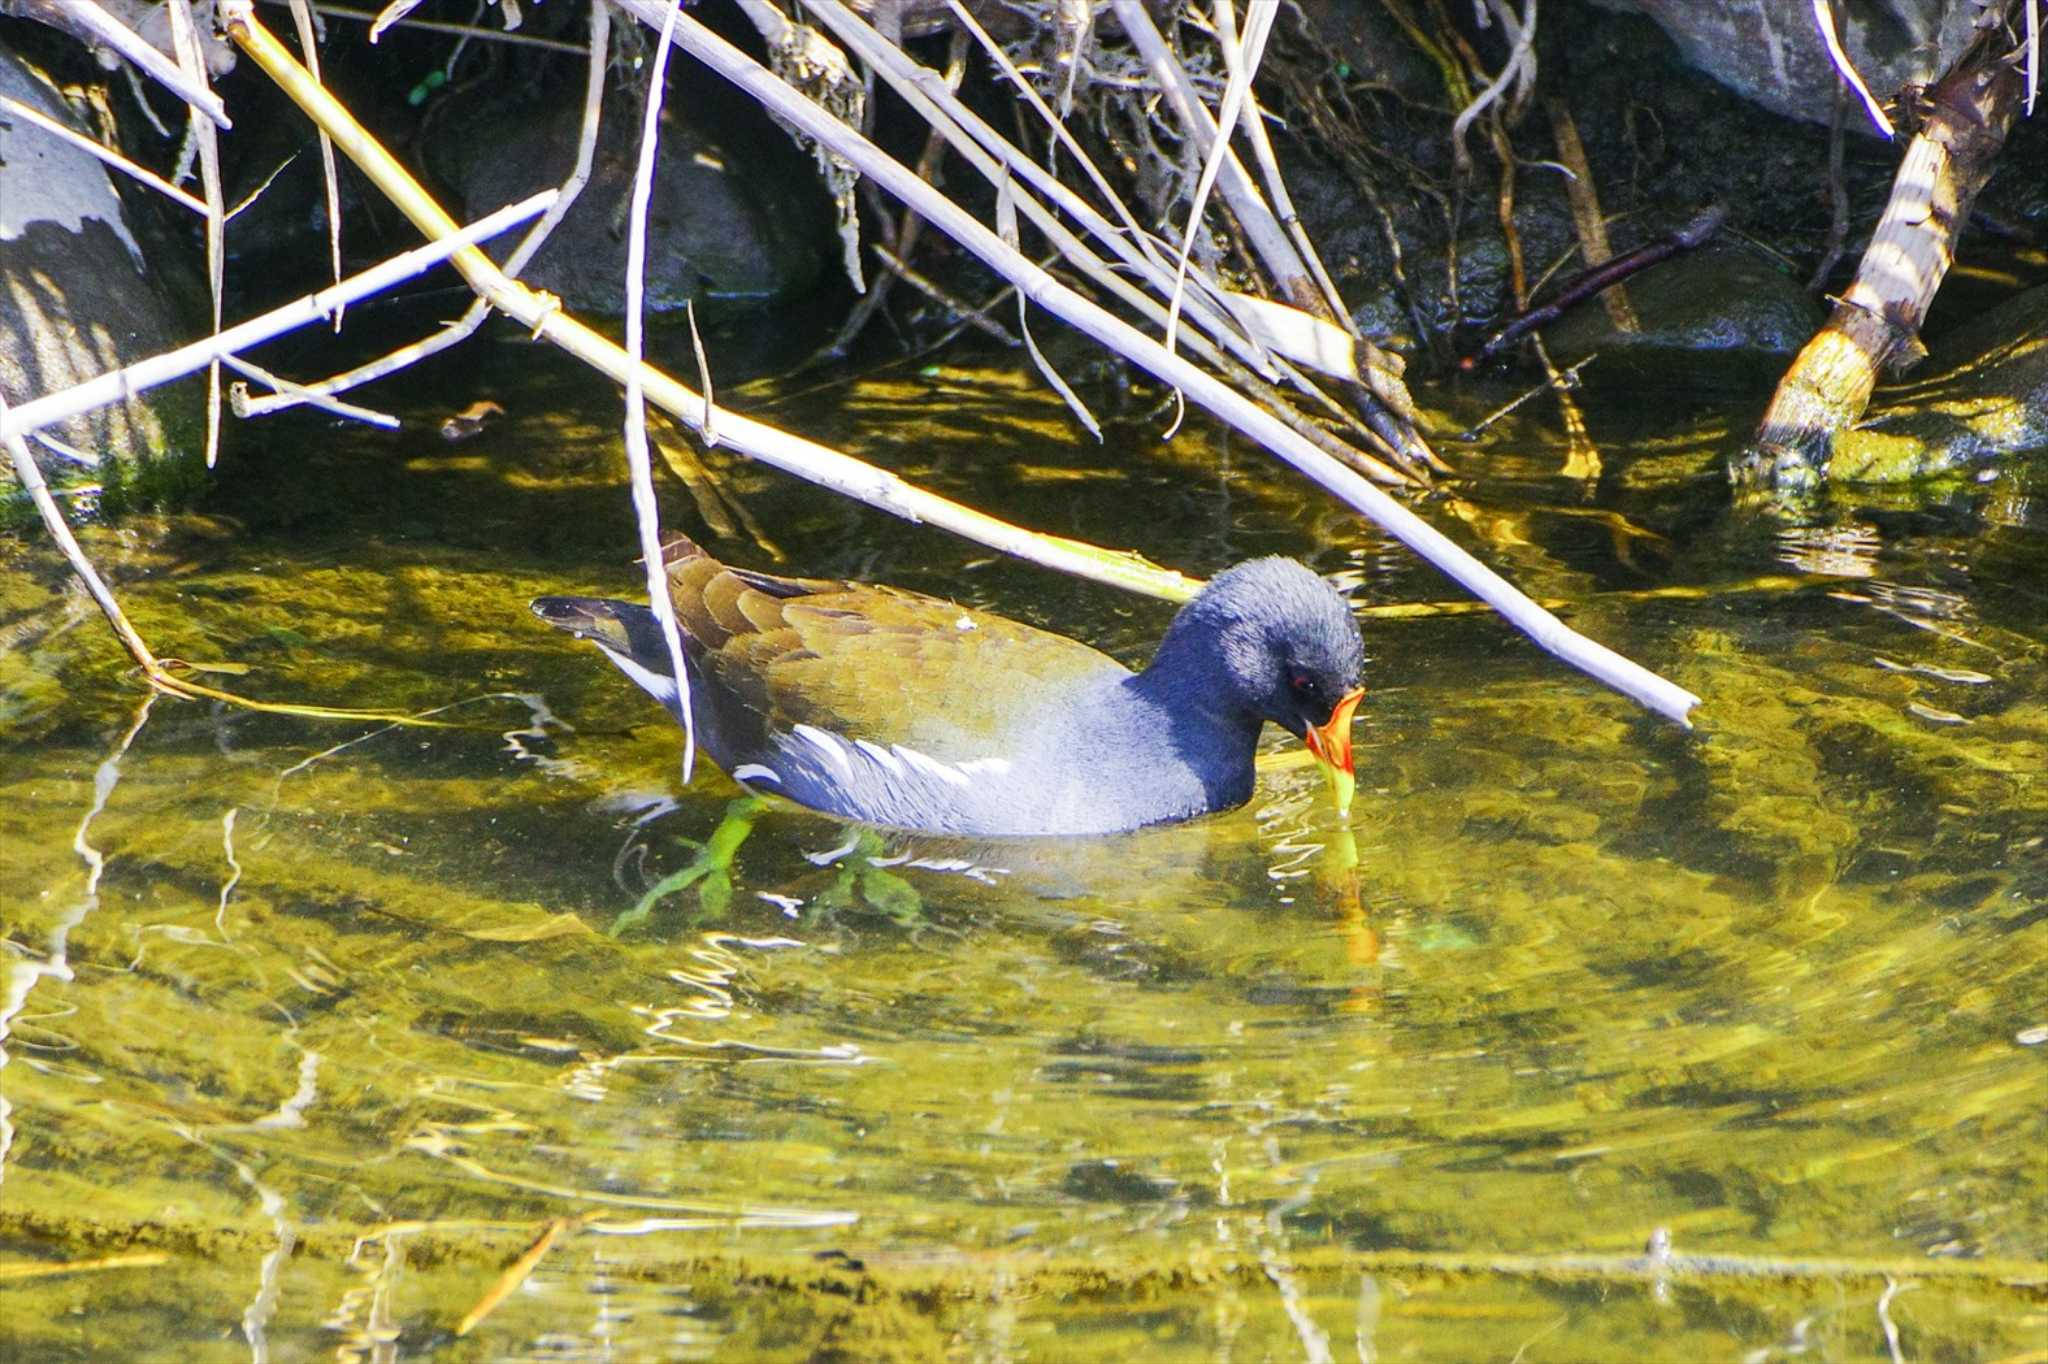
<point>1583,1039</point>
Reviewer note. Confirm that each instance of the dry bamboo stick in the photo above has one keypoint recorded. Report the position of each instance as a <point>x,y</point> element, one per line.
<point>14,108</point>
<point>1546,630</point>
<point>1875,324</point>
<point>185,37</point>
<point>840,472</point>
<point>599,55</point>
<point>1009,170</point>
<point>1263,229</point>
<point>646,512</point>
<point>121,384</point>
<point>875,486</point>
<point>1000,162</point>
<point>1135,248</point>
<point>159,369</point>
<point>1268,162</point>
<point>31,479</point>
<point>1378,372</point>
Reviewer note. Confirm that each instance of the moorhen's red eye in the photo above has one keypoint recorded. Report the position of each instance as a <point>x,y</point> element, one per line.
<point>1301,684</point>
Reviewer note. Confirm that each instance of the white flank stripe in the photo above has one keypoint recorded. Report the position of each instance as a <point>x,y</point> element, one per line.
<point>661,686</point>
<point>880,755</point>
<point>930,766</point>
<point>755,772</point>
<point>828,744</point>
<point>994,767</point>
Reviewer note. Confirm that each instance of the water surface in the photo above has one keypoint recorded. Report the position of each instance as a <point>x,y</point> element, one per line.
<point>1587,1039</point>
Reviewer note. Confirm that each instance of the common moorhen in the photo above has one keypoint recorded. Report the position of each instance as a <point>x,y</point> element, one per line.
<point>896,709</point>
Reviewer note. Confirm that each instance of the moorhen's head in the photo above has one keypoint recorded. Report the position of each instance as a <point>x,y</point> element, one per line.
<point>1282,645</point>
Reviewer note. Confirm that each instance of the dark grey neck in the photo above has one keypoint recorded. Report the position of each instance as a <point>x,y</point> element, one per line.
<point>1200,714</point>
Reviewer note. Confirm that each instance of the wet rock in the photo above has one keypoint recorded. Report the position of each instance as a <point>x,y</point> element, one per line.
<point>1365,38</point>
<point>1769,50</point>
<point>76,297</point>
<point>1720,314</point>
<point>735,215</point>
<point>1985,397</point>
<point>1438,300</point>
<point>1663,141</point>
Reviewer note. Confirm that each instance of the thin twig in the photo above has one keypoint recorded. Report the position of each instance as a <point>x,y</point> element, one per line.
<point>1252,369</point>
<point>1141,254</point>
<point>476,31</point>
<point>545,316</point>
<point>234,210</point>
<point>1276,252</point>
<point>960,308</point>
<point>2033,39</point>
<point>1132,233</point>
<point>1838,196</point>
<point>1283,206</point>
<point>646,512</point>
<point>709,431</point>
<point>176,364</point>
<point>85,20</point>
<point>1545,629</point>
<point>906,236</point>
<point>599,53</point>
<point>309,44</point>
<point>1824,20</point>
<point>238,397</point>
<point>31,478</point>
<point>1520,67</point>
<point>1558,380</point>
<point>15,108</point>
<point>1006,224</point>
<point>1267,238</point>
<point>392,13</point>
<point>997,159</point>
<point>1690,236</point>
<point>140,93</point>
<point>185,36</point>
<point>86,458</point>
<point>1241,59</point>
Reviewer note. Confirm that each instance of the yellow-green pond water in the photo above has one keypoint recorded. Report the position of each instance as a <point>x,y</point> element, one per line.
<point>1588,1039</point>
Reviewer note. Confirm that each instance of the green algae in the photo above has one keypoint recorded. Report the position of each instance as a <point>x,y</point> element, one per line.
<point>1981,399</point>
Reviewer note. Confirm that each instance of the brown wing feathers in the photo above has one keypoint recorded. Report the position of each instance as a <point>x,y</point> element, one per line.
<point>861,660</point>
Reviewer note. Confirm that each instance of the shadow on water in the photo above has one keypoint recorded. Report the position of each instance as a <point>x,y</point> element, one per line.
<point>1587,1040</point>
